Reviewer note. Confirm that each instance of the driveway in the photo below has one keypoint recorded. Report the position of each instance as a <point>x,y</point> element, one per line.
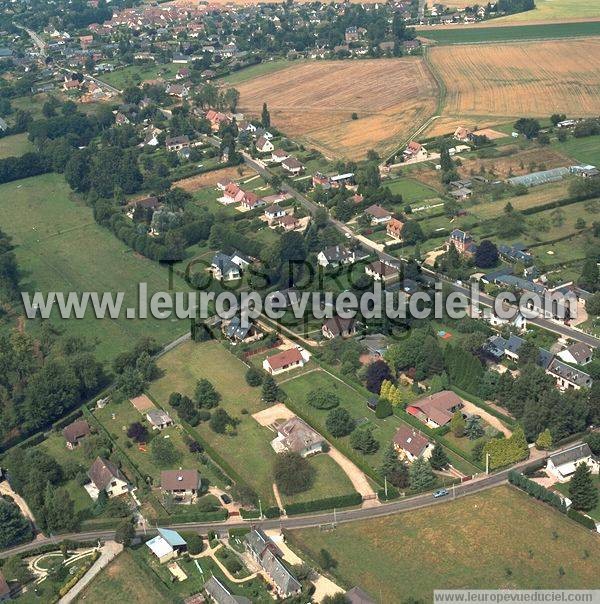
<point>492,420</point>
<point>6,489</point>
<point>108,552</point>
<point>354,473</point>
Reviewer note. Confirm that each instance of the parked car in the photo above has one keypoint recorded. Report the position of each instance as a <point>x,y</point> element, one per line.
<point>225,499</point>
<point>440,493</point>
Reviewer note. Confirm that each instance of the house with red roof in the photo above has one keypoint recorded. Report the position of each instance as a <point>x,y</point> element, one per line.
<point>415,151</point>
<point>437,409</point>
<point>285,360</point>
<point>411,444</point>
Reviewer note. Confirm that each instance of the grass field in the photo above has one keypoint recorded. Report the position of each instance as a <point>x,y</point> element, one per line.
<point>411,190</point>
<point>54,235</point>
<point>122,581</point>
<point>314,102</point>
<point>254,71</point>
<point>512,80</point>
<point>135,74</point>
<point>585,150</point>
<point>249,453</point>
<point>556,10</point>
<point>14,146</point>
<point>500,538</point>
<point>355,402</point>
<point>483,35</point>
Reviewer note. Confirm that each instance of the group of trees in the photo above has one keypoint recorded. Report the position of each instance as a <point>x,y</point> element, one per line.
<point>204,407</point>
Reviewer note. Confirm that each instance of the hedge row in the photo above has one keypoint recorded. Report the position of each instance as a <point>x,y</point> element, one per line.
<point>533,489</point>
<point>341,501</point>
<point>78,575</point>
<point>216,516</point>
<point>392,493</point>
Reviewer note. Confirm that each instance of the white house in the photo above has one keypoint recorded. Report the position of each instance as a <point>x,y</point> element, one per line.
<point>264,145</point>
<point>336,255</point>
<point>410,444</point>
<point>106,476</point>
<point>286,361</point>
<point>578,354</point>
<point>562,465</point>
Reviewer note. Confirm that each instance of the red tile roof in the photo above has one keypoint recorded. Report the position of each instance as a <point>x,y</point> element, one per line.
<point>285,358</point>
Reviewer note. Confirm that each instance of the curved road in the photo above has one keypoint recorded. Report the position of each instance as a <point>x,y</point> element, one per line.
<point>296,522</point>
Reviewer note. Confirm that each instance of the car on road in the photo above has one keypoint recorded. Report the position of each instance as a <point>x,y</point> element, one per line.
<point>440,493</point>
<point>225,499</point>
<point>348,236</point>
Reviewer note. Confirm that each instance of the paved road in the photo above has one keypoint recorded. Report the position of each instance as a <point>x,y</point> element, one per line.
<point>314,520</point>
<point>485,300</point>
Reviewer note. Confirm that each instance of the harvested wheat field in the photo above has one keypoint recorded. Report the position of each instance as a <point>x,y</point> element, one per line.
<point>210,179</point>
<point>315,101</point>
<point>524,79</point>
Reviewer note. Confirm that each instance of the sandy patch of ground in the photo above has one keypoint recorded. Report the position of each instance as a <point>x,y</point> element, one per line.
<point>356,476</point>
<point>270,415</point>
<point>142,403</point>
<point>210,179</point>
<point>492,420</point>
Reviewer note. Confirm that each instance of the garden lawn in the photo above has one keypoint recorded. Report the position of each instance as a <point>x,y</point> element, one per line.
<point>411,190</point>
<point>14,146</point>
<point>585,150</point>
<point>124,581</point>
<point>497,539</point>
<point>134,74</point>
<point>564,489</point>
<point>60,248</point>
<point>249,453</point>
<point>116,418</point>
<point>330,481</point>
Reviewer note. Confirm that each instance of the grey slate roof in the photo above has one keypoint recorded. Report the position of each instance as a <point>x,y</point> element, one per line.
<point>235,330</point>
<point>576,376</point>
<point>221,595</point>
<point>570,455</point>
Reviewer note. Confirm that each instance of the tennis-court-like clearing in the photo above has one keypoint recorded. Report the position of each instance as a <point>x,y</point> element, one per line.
<point>523,79</point>
<point>497,539</point>
<point>315,101</point>
<point>60,248</point>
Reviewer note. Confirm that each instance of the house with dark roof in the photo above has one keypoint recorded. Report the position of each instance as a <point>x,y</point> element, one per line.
<point>437,409</point>
<point>356,595</point>
<point>74,433</point>
<point>265,553</point>
<point>292,165</point>
<point>236,331</point>
<point>380,271</point>
<point>106,476</point>
<point>177,143</point>
<point>515,253</point>
<point>577,353</point>
<point>338,327</point>
<point>219,594</point>
<point>568,377</point>
<point>336,255</point>
<point>297,436</point>
<point>411,444</point>
<point>182,485</point>
<point>462,241</point>
<point>563,464</point>
<point>224,268</point>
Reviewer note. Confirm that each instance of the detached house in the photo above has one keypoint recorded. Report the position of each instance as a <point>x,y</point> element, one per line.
<point>380,271</point>
<point>462,241</point>
<point>216,118</point>
<point>265,553</point>
<point>159,419</point>
<point>437,409</point>
<point>462,134</point>
<point>336,255</point>
<point>414,151</point>
<point>74,433</point>
<point>292,165</point>
<point>378,214</point>
<point>106,476</point>
<point>182,485</point>
<point>411,444</point>
<point>264,145</point>
<point>578,354</point>
<point>177,143</point>
<point>252,201</point>
<point>232,194</point>
<point>297,436</point>
<point>337,327</point>
<point>285,361</point>
<point>224,269</point>
<point>562,465</point>
<point>219,594</point>
<point>274,211</point>
<point>394,228</point>
<point>279,155</point>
